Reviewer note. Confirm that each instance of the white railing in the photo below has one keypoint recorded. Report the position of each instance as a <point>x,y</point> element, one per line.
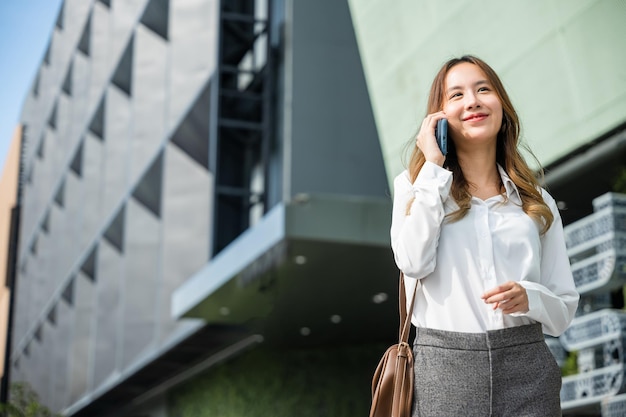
<point>614,406</point>
<point>609,215</point>
<point>596,246</point>
<point>594,329</point>
<point>592,387</point>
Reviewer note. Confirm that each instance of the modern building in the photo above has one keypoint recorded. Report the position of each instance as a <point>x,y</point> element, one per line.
<point>173,144</point>
<point>205,190</point>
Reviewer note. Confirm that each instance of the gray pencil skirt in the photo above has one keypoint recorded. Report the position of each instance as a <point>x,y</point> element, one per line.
<point>508,372</point>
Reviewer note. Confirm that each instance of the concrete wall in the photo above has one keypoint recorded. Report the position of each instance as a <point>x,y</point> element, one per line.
<point>331,143</point>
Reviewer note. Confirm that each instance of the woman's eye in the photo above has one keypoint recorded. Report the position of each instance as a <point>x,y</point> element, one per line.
<point>482,89</point>
<point>455,95</point>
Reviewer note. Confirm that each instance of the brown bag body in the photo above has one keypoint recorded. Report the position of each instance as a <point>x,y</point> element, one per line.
<point>392,384</point>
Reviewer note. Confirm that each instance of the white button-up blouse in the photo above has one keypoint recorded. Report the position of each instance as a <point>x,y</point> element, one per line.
<point>454,263</point>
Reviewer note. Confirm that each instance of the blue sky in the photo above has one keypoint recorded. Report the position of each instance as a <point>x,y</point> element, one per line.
<point>25,28</point>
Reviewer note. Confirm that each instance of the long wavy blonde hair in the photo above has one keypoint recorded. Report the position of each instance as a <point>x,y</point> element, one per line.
<point>507,152</point>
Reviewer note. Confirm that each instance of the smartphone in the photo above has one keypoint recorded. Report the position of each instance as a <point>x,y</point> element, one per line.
<point>441,134</point>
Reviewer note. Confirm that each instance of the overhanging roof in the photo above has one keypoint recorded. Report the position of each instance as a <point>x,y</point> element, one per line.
<point>587,173</point>
<point>316,270</point>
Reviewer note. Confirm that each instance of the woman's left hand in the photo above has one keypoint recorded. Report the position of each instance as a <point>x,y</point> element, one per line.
<point>510,297</point>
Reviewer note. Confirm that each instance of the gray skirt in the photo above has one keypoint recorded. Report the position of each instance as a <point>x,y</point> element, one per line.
<point>508,372</point>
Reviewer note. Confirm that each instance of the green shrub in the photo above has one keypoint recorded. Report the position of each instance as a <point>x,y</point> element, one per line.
<point>570,366</point>
<point>333,382</point>
<point>23,402</point>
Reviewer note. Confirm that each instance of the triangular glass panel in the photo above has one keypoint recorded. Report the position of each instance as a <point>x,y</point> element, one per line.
<point>115,232</point>
<point>122,77</point>
<point>40,147</point>
<point>59,197</point>
<point>97,122</point>
<point>38,333</point>
<point>107,3</point>
<point>36,84</point>
<point>52,120</point>
<point>84,45</point>
<point>156,17</point>
<point>33,246</point>
<point>45,224</point>
<point>46,56</point>
<point>192,135</point>
<point>67,83</point>
<point>89,266</point>
<point>52,315</point>
<point>148,190</point>
<point>77,161</point>
<point>60,17</point>
<point>68,292</point>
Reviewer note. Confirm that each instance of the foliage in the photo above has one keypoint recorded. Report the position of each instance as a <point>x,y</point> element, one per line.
<point>619,182</point>
<point>23,402</point>
<point>570,366</point>
<point>332,382</point>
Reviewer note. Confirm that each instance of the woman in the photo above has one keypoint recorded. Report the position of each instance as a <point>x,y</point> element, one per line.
<point>483,243</point>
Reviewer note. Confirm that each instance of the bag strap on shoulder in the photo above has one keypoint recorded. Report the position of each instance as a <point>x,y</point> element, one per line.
<point>405,318</point>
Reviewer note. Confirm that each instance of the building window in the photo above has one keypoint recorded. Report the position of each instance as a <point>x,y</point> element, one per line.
<point>97,122</point>
<point>148,190</point>
<point>68,293</point>
<point>67,82</point>
<point>114,234</point>
<point>84,45</point>
<point>77,161</point>
<point>122,77</point>
<point>156,17</point>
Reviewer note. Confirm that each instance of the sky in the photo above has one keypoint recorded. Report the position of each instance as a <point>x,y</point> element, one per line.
<point>25,29</point>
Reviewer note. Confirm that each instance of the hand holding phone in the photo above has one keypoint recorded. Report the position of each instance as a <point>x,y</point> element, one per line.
<point>441,134</point>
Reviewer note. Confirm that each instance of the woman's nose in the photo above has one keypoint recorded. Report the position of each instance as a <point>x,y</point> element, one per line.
<point>471,101</point>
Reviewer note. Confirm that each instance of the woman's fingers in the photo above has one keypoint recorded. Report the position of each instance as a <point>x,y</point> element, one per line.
<point>425,139</point>
<point>510,297</point>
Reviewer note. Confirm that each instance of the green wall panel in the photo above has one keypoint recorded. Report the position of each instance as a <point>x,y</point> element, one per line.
<point>563,63</point>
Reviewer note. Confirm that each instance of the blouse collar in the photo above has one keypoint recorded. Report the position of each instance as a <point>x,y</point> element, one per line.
<point>509,186</point>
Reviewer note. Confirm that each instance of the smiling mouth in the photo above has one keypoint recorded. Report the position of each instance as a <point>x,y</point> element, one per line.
<point>480,116</point>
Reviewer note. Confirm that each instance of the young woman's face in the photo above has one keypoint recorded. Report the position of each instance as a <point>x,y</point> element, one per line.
<point>471,105</point>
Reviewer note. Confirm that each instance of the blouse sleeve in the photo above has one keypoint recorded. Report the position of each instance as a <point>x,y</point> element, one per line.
<point>414,236</point>
<point>553,300</point>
